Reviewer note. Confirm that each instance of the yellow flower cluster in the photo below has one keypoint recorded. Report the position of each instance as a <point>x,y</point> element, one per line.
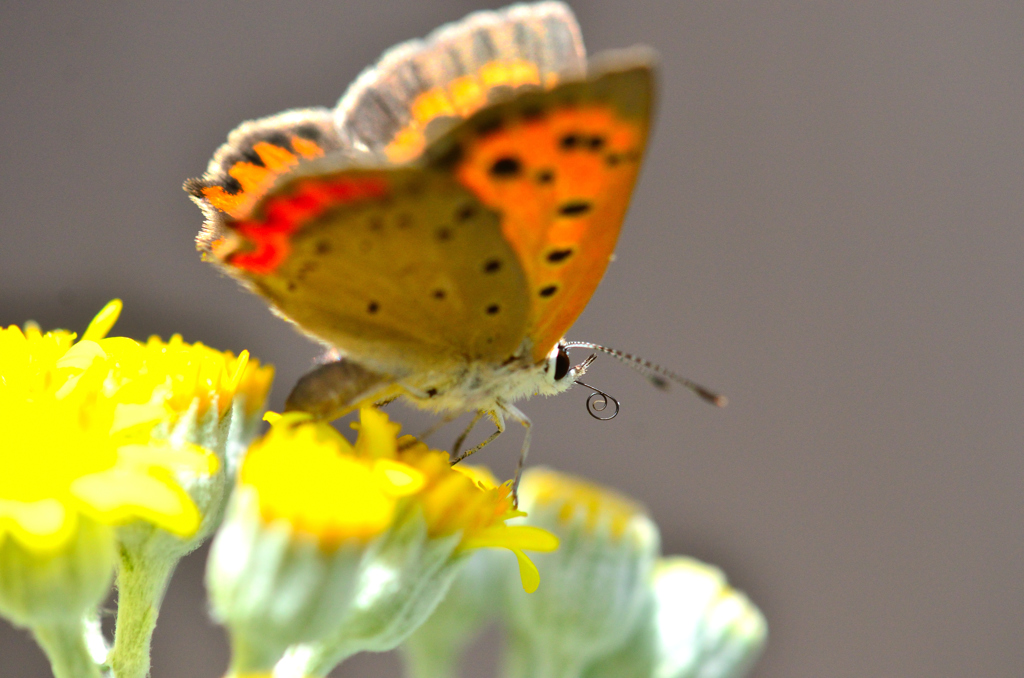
<point>306,473</point>
<point>77,427</point>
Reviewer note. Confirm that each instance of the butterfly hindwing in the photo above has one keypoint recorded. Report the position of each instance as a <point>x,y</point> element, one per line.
<point>559,167</point>
<point>421,88</point>
<point>257,154</point>
<point>399,268</point>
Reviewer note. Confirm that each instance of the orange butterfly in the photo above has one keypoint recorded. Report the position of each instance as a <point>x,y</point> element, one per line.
<point>446,223</point>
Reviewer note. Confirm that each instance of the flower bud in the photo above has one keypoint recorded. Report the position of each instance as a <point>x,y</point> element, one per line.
<point>594,587</point>
<point>706,629</point>
<point>695,626</point>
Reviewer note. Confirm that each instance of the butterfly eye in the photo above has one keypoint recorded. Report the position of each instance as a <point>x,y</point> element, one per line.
<point>562,364</point>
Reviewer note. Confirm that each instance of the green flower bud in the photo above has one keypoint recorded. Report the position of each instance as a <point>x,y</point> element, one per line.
<point>594,588</point>
<point>274,588</point>
<point>695,626</point>
<point>63,585</point>
<point>705,628</point>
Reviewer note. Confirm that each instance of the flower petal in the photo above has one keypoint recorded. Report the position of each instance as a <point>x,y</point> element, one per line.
<point>177,458</point>
<point>513,537</point>
<point>119,495</point>
<point>397,478</point>
<point>81,356</point>
<point>104,321</point>
<point>127,415</point>
<point>42,525</point>
<point>527,572</point>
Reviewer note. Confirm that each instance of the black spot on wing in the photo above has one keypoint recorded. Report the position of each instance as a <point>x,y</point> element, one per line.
<point>548,291</point>
<point>280,139</point>
<point>465,212</point>
<point>492,266</point>
<point>308,132</point>
<point>559,255</point>
<point>489,125</point>
<point>506,167</point>
<point>545,176</point>
<point>531,112</point>
<point>493,309</point>
<point>575,208</point>
<point>231,185</point>
<point>570,141</point>
<point>447,158</point>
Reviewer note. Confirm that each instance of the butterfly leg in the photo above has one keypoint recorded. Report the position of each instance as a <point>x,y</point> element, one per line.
<point>462,437</point>
<point>515,414</point>
<point>334,389</point>
<point>499,422</point>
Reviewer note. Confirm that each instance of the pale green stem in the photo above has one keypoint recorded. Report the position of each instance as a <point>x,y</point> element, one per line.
<point>64,644</point>
<point>140,590</point>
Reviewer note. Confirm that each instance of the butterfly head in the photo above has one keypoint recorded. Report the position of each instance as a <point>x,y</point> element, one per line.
<point>559,372</point>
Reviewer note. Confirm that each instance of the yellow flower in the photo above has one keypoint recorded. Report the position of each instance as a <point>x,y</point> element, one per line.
<point>310,476</point>
<point>76,437</point>
<point>307,473</point>
<point>109,450</point>
<point>332,547</point>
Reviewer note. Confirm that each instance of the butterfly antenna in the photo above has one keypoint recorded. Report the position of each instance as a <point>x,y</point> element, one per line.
<point>656,374</point>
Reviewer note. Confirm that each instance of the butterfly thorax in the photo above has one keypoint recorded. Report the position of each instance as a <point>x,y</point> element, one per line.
<point>486,386</point>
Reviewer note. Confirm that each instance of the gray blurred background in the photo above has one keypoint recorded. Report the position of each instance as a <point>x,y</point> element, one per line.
<point>828,229</point>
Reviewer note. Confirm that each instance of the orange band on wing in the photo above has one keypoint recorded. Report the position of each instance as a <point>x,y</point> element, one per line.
<point>269,238</point>
<point>255,180</point>
<point>461,97</point>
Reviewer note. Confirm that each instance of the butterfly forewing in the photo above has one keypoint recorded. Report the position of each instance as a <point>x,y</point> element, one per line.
<point>559,167</point>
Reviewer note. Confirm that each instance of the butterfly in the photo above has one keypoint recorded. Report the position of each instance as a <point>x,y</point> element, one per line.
<point>444,225</point>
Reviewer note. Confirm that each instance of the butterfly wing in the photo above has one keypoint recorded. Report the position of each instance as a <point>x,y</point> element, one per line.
<point>559,167</point>
<point>450,259</point>
<point>257,154</point>
<point>402,269</point>
<point>422,88</point>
